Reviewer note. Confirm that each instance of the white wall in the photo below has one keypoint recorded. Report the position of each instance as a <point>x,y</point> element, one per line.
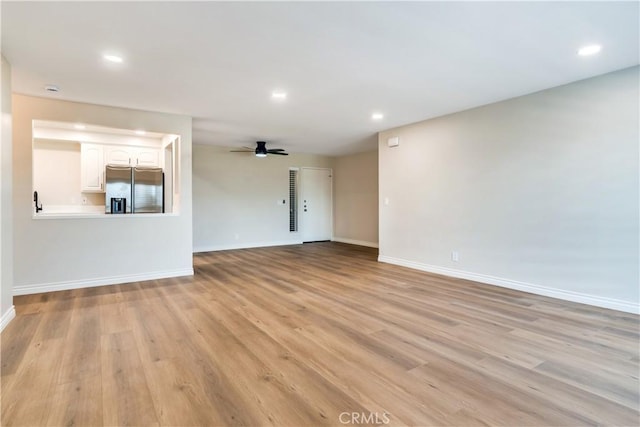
<point>537,193</point>
<point>235,198</point>
<point>56,174</point>
<point>356,198</point>
<point>7,311</point>
<point>65,253</point>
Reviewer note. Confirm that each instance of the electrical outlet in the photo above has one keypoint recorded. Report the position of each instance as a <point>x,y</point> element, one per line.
<point>455,256</point>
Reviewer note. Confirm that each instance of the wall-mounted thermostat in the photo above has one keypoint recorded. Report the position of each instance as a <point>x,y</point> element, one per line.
<point>393,142</point>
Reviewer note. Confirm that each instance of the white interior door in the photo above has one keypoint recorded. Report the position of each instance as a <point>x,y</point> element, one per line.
<point>316,204</point>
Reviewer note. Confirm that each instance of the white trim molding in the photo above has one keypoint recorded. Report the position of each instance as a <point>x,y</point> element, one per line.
<point>213,248</point>
<point>7,317</point>
<point>355,242</point>
<point>598,301</point>
<point>101,281</point>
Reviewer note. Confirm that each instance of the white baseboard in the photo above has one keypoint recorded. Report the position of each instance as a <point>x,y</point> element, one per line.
<point>213,248</point>
<point>355,242</point>
<point>614,304</point>
<point>101,281</point>
<point>7,317</point>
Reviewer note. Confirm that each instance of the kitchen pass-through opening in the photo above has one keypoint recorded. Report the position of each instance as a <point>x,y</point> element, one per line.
<point>97,171</point>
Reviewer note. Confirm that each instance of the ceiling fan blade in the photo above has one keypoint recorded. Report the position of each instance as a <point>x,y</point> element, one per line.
<point>241,151</point>
<point>279,153</point>
<point>276,149</point>
<point>248,148</point>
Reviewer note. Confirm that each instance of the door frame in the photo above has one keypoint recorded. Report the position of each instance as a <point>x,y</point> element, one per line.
<point>301,198</point>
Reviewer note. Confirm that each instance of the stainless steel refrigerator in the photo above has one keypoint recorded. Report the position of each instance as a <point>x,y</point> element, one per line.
<point>133,190</point>
<point>148,192</point>
<point>118,183</point>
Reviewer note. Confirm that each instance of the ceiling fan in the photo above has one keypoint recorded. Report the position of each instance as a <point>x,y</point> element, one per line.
<point>261,150</point>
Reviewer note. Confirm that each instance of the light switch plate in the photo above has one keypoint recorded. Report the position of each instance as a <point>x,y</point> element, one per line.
<point>393,142</point>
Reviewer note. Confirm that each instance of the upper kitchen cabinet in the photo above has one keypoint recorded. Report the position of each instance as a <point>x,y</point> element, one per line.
<point>131,155</point>
<point>147,157</point>
<point>91,168</point>
<point>117,155</point>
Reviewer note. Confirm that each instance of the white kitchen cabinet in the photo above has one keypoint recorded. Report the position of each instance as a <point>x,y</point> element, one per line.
<point>146,156</point>
<point>131,156</point>
<point>92,168</point>
<point>117,155</point>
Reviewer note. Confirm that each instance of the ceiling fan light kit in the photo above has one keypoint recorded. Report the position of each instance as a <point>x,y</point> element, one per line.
<point>261,149</point>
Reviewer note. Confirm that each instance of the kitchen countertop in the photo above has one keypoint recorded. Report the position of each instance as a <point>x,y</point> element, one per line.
<point>86,211</point>
<point>95,215</point>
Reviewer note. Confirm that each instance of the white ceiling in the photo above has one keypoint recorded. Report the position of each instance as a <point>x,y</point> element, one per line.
<point>338,62</point>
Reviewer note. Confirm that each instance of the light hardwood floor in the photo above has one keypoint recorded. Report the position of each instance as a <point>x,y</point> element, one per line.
<point>298,335</point>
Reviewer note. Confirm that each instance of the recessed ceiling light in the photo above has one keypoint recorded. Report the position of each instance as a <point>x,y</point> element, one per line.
<point>52,88</point>
<point>377,116</point>
<point>140,132</point>
<point>278,94</point>
<point>112,58</point>
<point>79,126</point>
<point>592,49</point>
